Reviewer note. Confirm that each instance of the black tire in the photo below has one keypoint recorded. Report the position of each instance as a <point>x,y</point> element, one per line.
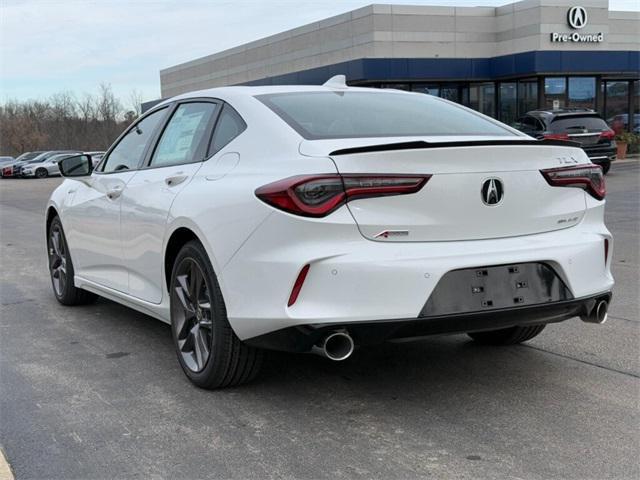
<point>61,268</point>
<point>198,318</point>
<point>507,336</point>
<point>605,167</point>
<point>42,173</point>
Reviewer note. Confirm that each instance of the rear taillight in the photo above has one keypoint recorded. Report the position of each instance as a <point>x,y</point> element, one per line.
<point>556,136</point>
<point>608,134</point>
<point>588,177</point>
<point>319,195</point>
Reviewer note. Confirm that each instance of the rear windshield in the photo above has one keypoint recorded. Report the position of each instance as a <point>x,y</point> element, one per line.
<point>321,115</point>
<point>578,122</point>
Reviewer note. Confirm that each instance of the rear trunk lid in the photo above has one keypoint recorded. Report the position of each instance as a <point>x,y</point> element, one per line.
<point>454,204</point>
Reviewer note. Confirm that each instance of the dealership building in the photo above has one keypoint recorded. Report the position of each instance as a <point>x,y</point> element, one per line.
<point>502,61</point>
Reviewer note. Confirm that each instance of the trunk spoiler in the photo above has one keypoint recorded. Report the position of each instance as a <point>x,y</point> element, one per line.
<point>462,143</point>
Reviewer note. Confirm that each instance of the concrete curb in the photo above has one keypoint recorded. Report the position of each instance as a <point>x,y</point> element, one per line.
<point>5,469</point>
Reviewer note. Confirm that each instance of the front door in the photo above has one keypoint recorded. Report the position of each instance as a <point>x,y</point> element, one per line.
<point>94,230</point>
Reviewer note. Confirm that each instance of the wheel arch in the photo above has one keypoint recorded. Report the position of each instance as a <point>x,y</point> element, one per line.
<point>178,238</point>
<point>51,214</point>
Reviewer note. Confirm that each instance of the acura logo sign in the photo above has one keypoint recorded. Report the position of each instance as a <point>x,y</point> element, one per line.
<point>577,17</point>
<point>492,191</point>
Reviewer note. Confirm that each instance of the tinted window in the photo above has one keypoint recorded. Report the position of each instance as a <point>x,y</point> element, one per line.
<point>577,122</point>
<point>229,126</point>
<point>129,151</point>
<point>182,139</point>
<point>529,123</point>
<point>317,115</point>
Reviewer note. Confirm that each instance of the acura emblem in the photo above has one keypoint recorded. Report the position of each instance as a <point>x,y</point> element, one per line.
<point>577,17</point>
<point>492,191</point>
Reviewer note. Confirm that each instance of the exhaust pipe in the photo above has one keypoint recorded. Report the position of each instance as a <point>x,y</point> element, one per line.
<point>598,313</point>
<point>336,346</point>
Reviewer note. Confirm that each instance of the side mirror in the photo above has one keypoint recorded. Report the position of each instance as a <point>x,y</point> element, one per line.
<point>77,166</point>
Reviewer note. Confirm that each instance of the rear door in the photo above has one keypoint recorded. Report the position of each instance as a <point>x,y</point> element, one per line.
<point>177,156</point>
<point>474,192</point>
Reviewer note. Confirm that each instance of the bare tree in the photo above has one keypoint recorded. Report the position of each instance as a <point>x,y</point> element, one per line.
<point>135,100</point>
<point>63,122</point>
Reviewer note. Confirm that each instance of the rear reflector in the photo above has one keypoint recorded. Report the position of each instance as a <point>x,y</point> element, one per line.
<point>606,250</point>
<point>319,195</point>
<point>295,291</point>
<point>587,177</point>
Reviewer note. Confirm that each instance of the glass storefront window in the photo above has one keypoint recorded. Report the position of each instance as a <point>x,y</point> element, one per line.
<point>582,92</point>
<point>554,92</point>
<point>426,88</point>
<point>450,93</point>
<point>527,97</point>
<point>508,104</point>
<point>616,103</point>
<point>482,97</point>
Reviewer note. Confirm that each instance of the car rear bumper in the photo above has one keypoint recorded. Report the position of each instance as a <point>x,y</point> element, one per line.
<point>302,338</point>
<point>352,279</point>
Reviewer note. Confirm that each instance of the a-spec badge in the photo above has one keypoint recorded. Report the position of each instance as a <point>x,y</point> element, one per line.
<point>392,233</point>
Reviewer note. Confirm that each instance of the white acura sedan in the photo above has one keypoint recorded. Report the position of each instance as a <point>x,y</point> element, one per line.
<point>320,218</point>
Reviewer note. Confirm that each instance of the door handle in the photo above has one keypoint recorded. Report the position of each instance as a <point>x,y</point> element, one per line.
<point>114,192</point>
<point>176,179</point>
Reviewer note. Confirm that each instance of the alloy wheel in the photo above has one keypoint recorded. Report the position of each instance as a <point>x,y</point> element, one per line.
<point>58,260</point>
<point>192,315</point>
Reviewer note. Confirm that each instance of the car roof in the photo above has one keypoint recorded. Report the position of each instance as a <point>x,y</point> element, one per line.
<point>562,112</point>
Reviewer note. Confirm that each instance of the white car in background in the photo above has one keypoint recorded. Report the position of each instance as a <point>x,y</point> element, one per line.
<point>319,218</point>
<point>49,168</point>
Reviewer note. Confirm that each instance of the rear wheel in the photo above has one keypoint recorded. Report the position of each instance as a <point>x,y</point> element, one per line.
<point>209,352</point>
<point>507,336</point>
<point>42,173</point>
<point>61,269</point>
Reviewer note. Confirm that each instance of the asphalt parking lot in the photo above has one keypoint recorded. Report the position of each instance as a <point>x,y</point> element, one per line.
<point>96,391</point>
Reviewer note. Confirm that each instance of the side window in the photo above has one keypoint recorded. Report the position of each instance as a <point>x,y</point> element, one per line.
<point>182,139</point>
<point>129,151</point>
<point>229,126</point>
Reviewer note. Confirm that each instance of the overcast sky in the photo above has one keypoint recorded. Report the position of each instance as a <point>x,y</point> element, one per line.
<point>48,46</point>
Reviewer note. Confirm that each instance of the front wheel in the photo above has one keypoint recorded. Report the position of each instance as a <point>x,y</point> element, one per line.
<point>209,352</point>
<point>42,173</point>
<point>507,336</point>
<point>61,268</point>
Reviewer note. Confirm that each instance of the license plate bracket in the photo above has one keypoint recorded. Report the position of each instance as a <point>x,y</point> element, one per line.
<point>495,287</point>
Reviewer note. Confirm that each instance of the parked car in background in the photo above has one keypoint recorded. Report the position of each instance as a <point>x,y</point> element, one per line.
<point>4,160</point>
<point>50,168</point>
<point>25,156</point>
<point>44,169</point>
<point>582,126</point>
<point>15,169</point>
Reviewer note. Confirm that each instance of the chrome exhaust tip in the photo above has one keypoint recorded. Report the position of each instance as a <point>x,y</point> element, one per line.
<point>336,346</point>
<point>602,312</point>
<point>598,314</point>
